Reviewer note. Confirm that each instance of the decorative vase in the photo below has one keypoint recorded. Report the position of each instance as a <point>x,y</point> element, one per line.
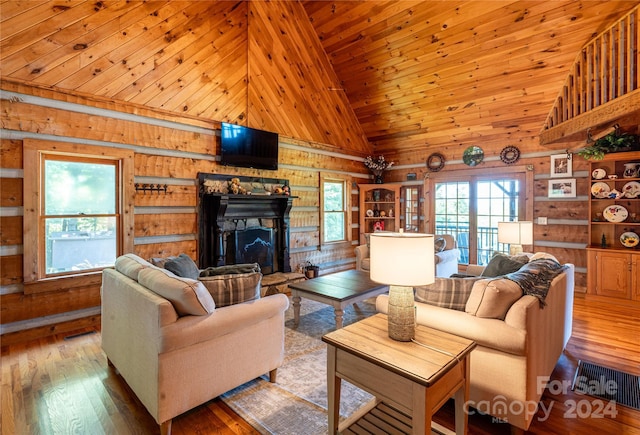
<point>377,179</point>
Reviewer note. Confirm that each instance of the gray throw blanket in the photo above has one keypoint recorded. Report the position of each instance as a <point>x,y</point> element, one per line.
<point>534,278</point>
<point>231,269</point>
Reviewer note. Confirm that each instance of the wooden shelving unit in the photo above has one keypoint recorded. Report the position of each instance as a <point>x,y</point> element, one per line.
<point>613,270</point>
<point>379,208</point>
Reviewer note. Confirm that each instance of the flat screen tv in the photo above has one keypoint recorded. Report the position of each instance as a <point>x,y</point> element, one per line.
<point>248,148</point>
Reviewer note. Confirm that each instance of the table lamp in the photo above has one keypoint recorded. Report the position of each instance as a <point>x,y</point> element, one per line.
<point>515,234</point>
<point>402,260</point>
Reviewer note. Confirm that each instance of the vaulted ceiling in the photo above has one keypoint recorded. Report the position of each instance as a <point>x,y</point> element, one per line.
<point>434,74</point>
<point>401,78</point>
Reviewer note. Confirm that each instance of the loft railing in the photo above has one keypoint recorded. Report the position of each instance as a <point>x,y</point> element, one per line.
<point>605,69</point>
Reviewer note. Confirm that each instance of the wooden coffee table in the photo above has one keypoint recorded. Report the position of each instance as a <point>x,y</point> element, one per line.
<point>336,289</point>
<point>412,381</point>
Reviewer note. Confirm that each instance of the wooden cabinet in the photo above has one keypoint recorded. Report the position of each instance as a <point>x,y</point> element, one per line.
<point>613,270</point>
<point>379,208</point>
<point>613,273</point>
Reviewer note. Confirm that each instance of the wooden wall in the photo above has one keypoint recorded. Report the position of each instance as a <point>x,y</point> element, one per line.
<point>158,78</point>
<point>566,233</point>
<point>165,224</point>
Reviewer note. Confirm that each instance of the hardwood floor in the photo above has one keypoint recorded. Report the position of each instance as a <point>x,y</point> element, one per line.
<point>62,385</point>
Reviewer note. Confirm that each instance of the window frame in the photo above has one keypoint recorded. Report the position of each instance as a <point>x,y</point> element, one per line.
<point>345,180</point>
<point>34,154</point>
<point>522,172</point>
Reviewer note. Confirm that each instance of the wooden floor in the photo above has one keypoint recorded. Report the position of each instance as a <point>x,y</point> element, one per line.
<point>62,385</point>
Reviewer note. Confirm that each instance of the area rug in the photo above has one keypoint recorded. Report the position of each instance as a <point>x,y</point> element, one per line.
<point>297,402</point>
<point>609,384</point>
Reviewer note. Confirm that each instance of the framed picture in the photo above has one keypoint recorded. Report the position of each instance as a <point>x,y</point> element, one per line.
<point>565,188</point>
<point>561,165</point>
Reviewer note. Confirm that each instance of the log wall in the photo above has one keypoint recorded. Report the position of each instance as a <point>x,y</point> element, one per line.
<point>165,223</point>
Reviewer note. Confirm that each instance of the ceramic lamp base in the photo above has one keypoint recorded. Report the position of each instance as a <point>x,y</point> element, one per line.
<point>402,313</point>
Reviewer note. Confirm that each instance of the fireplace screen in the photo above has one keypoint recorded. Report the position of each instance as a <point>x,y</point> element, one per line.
<point>253,245</point>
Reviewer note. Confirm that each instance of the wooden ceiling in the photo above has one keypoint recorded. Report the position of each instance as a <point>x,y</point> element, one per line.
<point>435,74</point>
<point>400,78</point>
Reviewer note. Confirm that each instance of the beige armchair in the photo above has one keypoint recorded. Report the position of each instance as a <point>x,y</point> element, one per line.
<point>178,353</point>
<point>446,261</point>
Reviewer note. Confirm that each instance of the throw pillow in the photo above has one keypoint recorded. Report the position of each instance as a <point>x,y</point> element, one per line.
<point>439,244</point>
<point>451,293</point>
<point>492,298</point>
<point>160,261</point>
<point>230,269</point>
<point>131,265</point>
<point>183,266</point>
<point>501,264</point>
<point>188,296</point>
<point>233,289</point>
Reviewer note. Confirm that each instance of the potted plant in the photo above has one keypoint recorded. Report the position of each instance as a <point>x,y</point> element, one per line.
<point>611,143</point>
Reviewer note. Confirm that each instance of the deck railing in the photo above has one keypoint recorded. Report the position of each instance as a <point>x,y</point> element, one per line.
<point>605,69</point>
<point>487,242</point>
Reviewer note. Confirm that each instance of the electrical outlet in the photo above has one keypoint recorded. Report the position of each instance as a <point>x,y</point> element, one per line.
<point>542,221</point>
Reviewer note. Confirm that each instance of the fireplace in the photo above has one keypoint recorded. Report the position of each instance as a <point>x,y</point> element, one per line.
<point>249,228</point>
<point>252,245</point>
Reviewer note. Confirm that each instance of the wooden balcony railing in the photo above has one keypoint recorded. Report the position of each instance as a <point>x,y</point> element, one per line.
<point>605,69</point>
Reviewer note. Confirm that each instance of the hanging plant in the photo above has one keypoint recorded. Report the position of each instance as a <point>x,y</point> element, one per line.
<point>611,143</point>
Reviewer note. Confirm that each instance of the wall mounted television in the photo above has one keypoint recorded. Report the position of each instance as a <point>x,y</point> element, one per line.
<point>248,147</point>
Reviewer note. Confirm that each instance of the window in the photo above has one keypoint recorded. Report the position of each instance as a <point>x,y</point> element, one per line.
<point>79,213</point>
<point>411,209</point>
<point>334,209</point>
<point>76,218</point>
<point>470,207</point>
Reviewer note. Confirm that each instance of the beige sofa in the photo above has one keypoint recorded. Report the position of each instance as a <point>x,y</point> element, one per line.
<point>179,351</point>
<point>516,355</point>
<point>446,261</point>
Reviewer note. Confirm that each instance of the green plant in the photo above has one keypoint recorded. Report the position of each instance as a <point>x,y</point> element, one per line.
<point>609,144</point>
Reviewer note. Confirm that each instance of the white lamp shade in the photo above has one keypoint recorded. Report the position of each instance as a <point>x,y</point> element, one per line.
<point>518,233</point>
<point>402,259</point>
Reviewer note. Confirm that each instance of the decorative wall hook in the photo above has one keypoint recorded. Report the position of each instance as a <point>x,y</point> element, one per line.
<point>151,188</point>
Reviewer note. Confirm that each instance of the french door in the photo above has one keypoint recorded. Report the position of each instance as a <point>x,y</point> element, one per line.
<point>470,207</point>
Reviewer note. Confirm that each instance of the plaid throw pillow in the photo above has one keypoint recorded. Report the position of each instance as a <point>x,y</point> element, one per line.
<point>233,288</point>
<point>451,293</point>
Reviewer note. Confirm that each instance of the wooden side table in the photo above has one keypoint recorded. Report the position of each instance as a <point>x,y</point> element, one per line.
<point>414,378</point>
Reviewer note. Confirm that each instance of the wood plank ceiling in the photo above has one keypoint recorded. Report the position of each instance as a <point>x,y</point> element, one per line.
<point>435,74</point>
<point>418,75</point>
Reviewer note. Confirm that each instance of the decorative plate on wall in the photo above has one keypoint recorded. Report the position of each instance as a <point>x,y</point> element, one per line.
<point>435,162</point>
<point>509,155</point>
<point>473,156</point>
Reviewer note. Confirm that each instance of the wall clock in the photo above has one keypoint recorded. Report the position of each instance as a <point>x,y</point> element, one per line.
<point>435,162</point>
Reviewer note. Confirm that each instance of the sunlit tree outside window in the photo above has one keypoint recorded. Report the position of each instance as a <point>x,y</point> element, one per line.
<point>334,212</point>
<point>79,214</point>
